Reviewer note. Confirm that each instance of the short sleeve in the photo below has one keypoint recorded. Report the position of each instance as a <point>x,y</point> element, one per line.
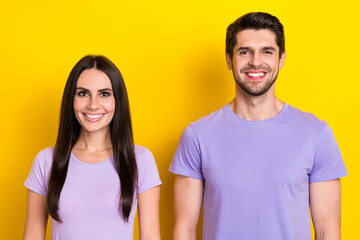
<point>148,175</point>
<point>38,177</point>
<point>187,158</point>
<point>328,162</point>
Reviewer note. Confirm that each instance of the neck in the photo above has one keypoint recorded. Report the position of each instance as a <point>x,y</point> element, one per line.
<point>94,141</point>
<point>256,108</point>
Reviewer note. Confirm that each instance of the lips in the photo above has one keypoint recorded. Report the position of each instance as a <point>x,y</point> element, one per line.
<point>255,75</point>
<point>261,74</point>
<point>94,117</point>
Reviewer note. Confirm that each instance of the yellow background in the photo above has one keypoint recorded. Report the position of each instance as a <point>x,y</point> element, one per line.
<point>171,55</point>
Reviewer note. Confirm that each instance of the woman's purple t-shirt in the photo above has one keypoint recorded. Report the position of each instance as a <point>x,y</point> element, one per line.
<point>256,173</point>
<point>88,204</point>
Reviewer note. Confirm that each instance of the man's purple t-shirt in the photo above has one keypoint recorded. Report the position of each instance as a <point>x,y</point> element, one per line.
<point>88,204</point>
<point>256,173</point>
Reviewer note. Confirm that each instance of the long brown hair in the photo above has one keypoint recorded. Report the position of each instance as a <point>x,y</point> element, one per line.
<point>121,136</point>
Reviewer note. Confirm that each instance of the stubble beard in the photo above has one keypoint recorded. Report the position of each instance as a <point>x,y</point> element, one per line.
<point>256,91</point>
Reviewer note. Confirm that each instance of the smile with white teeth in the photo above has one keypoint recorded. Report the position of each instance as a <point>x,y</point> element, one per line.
<point>259,74</point>
<point>94,116</point>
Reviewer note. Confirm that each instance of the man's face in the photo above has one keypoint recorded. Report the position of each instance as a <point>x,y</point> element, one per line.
<point>255,63</point>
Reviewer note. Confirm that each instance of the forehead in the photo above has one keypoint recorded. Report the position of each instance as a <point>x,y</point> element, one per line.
<point>256,38</point>
<point>93,78</point>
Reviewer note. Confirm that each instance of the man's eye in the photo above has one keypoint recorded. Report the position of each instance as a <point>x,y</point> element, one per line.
<point>267,52</point>
<point>82,94</point>
<point>104,94</point>
<point>244,52</point>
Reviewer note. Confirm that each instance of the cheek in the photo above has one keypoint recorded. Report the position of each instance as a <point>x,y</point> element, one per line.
<point>76,105</point>
<point>273,63</point>
<point>77,111</point>
<point>239,64</point>
<point>109,106</point>
<point>79,104</point>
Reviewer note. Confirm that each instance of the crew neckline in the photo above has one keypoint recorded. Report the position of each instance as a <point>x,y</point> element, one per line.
<point>72,155</point>
<point>256,123</point>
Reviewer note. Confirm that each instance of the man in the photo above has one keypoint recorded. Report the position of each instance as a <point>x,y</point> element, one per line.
<point>257,164</point>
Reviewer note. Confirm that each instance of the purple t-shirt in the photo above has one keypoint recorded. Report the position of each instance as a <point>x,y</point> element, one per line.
<point>88,204</point>
<point>256,173</point>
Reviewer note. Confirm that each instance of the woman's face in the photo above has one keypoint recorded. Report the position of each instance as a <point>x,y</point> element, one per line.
<point>94,102</point>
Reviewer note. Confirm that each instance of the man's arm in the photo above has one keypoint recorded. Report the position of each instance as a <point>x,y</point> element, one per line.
<point>188,194</point>
<point>325,204</point>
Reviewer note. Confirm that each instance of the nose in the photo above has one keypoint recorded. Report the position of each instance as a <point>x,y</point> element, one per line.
<point>255,60</point>
<point>93,103</point>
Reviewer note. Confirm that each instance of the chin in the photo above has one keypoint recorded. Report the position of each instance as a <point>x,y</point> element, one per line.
<point>93,129</point>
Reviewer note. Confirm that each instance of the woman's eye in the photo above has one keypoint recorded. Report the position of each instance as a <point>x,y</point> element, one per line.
<point>104,94</point>
<point>82,94</point>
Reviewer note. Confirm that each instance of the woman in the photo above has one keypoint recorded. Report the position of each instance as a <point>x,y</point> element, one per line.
<point>94,178</point>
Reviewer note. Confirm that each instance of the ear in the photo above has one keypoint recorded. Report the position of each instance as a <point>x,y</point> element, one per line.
<point>228,61</point>
<point>282,60</point>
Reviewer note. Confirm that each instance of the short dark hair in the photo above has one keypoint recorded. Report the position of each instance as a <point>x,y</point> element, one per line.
<point>256,21</point>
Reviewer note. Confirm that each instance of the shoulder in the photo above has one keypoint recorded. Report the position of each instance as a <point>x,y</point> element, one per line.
<point>45,157</point>
<point>141,152</point>
<point>203,126</point>
<point>148,175</point>
<point>305,119</point>
<point>210,118</point>
<point>38,177</point>
<point>210,121</point>
<point>143,155</point>
<point>302,114</point>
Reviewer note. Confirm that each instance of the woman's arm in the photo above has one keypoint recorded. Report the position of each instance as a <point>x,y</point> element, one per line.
<point>36,217</point>
<point>148,210</point>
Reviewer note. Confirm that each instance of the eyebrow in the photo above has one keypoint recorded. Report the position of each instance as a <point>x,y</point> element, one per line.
<point>100,90</point>
<point>264,48</point>
<point>269,48</point>
<point>243,48</point>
